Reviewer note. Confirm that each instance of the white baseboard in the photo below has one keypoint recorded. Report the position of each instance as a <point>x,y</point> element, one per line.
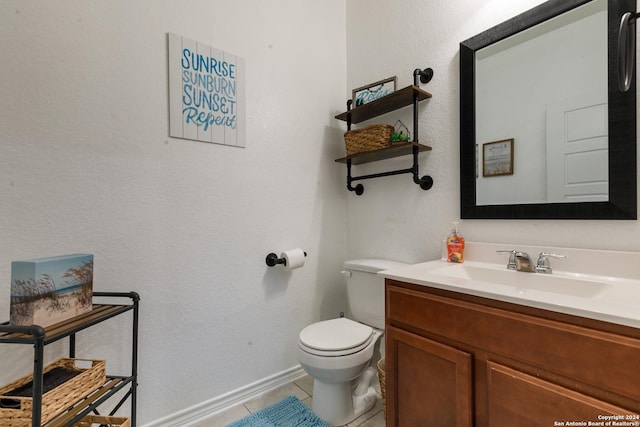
<point>208,408</point>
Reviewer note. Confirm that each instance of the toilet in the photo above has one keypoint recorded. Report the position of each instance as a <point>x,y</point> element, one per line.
<point>338,353</point>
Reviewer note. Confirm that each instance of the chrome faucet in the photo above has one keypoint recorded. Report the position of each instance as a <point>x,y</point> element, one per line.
<point>524,262</point>
<point>519,261</point>
<point>543,265</point>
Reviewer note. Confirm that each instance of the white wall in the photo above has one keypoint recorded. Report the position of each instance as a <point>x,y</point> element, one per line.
<point>394,218</point>
<point>87,165</point>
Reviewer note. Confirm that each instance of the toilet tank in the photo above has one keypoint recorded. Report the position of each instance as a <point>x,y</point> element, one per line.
<point>365,289</point>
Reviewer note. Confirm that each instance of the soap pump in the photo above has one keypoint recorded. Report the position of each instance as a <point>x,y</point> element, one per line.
<point>455,245</point>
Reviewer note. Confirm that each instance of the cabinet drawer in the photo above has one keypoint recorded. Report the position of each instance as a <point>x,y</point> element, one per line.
<point>600,359</point>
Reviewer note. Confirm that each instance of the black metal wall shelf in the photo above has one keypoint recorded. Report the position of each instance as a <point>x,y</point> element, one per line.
<point>410,95</point>
<point>39,337</point>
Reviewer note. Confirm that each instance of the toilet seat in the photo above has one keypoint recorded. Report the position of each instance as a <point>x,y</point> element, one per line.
<point>335,337</point>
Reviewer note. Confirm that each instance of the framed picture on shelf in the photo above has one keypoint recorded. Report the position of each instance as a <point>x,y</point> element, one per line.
<point>497,158</point>
<point>373,91</point>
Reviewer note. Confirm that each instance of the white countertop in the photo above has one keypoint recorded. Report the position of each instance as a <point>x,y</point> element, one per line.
<point>605,285</point>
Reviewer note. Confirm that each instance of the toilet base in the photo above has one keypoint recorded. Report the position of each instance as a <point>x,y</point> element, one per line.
<point>337,403</point>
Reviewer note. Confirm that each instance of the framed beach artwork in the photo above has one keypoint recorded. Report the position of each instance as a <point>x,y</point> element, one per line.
<point>45,291</point>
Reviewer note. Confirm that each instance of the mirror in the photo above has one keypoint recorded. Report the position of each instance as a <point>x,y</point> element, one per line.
<point>545,132</point>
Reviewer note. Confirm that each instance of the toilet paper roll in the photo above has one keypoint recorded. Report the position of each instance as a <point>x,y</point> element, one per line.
<point>294,258</point>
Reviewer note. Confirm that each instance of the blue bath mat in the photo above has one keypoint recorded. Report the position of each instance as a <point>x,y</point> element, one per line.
<point>289,412</point>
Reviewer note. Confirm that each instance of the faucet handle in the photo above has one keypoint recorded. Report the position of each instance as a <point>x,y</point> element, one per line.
<point>543,265</point>
<point>512,258</point>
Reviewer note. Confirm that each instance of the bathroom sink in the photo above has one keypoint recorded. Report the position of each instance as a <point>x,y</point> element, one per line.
<point>598,284</point>
<point>522,282</point>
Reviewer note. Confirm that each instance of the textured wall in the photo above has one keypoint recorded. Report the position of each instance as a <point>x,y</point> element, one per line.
<point>87,166</point>
<point>395,218</point>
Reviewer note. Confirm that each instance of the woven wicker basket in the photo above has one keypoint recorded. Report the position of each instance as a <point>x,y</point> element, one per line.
<point>102,421</point>
<point>383,385</point>
<point>56,400</point>
<point>369,138</point>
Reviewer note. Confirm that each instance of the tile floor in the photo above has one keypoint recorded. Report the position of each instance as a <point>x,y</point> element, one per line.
<point>303,390</point>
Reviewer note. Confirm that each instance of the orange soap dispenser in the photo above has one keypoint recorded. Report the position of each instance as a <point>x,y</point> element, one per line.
<point>455,245</point>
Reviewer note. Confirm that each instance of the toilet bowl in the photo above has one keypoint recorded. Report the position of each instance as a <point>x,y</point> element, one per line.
<point>339,353</point>
<point>336,353</point>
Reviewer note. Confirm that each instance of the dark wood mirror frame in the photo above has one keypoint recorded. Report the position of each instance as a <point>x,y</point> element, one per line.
<point>622,202</point>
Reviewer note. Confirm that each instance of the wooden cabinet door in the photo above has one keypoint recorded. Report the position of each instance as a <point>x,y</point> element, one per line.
<point>518,399</point>
<point>428,383</point>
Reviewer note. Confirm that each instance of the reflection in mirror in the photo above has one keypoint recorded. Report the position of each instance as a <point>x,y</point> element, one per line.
<point>545,81</point>
<point>528,86</point>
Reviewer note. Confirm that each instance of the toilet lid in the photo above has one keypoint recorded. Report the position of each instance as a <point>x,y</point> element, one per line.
<point>335,335</point>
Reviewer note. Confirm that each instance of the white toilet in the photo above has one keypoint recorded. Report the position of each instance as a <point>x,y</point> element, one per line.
<point>338,353</point>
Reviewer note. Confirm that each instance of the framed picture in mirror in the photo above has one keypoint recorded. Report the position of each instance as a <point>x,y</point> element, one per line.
<point>497,158</point>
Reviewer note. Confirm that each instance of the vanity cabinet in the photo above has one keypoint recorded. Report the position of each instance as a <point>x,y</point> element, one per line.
<point>454,359</point>
<point>423,367</point>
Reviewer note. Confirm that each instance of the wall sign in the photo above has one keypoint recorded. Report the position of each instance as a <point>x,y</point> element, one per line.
<point>206,93</point>
<point>373,91</point>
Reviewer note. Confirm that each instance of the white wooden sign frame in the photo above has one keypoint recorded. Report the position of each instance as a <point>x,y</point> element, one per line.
<point>206,93</point>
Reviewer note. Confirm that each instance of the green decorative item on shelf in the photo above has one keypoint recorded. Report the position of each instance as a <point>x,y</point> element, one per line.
<point>400,132</point>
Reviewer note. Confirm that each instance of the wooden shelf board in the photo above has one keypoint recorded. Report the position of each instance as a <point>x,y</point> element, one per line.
<point>395,150</point>
<point>398,99</point>
<point>98,313</point>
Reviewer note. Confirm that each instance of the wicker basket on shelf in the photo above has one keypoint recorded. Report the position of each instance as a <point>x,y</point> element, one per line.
<point>383,385</point>
<point>369,138</point>
<point>15,410</point>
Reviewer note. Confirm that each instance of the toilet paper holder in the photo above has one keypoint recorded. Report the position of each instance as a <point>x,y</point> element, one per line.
<point>273,260</point>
